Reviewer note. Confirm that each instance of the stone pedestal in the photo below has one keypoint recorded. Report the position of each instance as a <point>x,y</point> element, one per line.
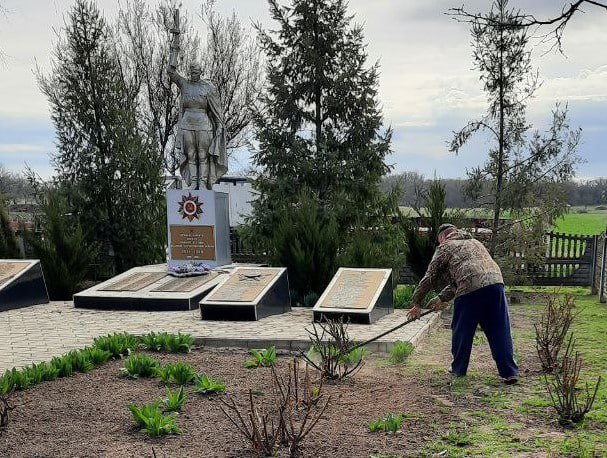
<point>21,284</point>
<point>356,295</point>
<point>198,227</point>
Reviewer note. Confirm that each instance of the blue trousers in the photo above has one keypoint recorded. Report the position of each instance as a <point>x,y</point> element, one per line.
<point>488,307</point>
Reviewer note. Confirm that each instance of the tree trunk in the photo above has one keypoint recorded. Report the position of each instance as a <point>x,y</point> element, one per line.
<point>497,205</point>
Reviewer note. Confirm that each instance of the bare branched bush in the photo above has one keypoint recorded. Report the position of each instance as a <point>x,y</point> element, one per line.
<point>290,416</point>
<point>332,350</point>
<point>551,330</point>
<point>570,401</point>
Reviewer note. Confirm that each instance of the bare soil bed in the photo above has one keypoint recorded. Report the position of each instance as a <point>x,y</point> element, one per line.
<point>87,416</point>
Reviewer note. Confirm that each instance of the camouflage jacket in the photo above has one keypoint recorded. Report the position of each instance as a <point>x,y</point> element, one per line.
<point>463,264</point>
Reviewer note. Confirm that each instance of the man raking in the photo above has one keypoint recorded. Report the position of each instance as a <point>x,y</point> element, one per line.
<point>475,281</point>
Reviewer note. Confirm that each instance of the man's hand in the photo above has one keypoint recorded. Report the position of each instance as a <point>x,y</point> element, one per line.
<point>436,303</point>
<point>414,312</point>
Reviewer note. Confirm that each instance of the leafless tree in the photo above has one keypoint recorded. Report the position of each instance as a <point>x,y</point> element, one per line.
<point>555,24</point>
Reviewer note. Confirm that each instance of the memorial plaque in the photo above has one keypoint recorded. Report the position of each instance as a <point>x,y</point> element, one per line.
<point>245,285</point>
<point>9,270</point>
<point>134,282</point>
<point>185,285</point>
<point>353,289</point>
<point>193,243</point>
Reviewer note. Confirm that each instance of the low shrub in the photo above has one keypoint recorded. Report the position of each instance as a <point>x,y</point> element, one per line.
<point>181,343</point>
<point>181,373</point>
<point>136,366</point>
<point>152,421</point>
<point>97,356</point>
<point>262,358</point>
<point>400,352</point>
<point>117,344</point>
<point>388,424</point>
<point>403,294</point>
<point>63,364</point>
<point>79,360</point>
<point>206,385</point>
<point>174,343</point>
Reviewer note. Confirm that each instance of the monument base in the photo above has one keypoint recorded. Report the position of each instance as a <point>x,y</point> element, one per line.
<point>21,284</point>
<point>248,294</point>
<point>198,227</point>
<point>148,288</point>
<point>357,296</point>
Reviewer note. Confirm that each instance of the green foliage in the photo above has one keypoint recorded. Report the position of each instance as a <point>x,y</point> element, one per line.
<point>117,344</point>
<point>97,356</point>
<point>457,438</point>
<point>79,361</point>
<point>261,358</point>
<point>174,400</point>
<point>355,357</point>
<point>403,294</point>
<point>400,352</point>
<point>152,421</point>
<point>174,343</point>
<point>305,241</point>
<point>164,373</point>
<point>180,373</point>
<point>421,246</point>
<point>388,424</point>
<point>136,366</point>
<point>320,136</point>
<point>206,385</point>
<point>62,249</point>
<point>63,365</point>
<point>9,249</point>
<point>112,172</point>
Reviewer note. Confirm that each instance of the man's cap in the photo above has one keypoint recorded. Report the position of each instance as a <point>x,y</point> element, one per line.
<point>444,227</point>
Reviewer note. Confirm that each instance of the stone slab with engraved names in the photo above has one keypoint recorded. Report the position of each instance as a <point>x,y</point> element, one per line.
<point>248,294</point>
<point>149,288</point>
<point>21,284</point>
<point>356,295</point>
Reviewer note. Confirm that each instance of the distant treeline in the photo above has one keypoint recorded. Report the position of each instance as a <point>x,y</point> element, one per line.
<point>590,192</point>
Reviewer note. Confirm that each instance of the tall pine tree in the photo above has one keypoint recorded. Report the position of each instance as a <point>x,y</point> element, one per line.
<point>319,125</point>
<point>114,175</point>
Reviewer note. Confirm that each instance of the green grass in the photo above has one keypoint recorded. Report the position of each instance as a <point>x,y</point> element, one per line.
<point>574,222</point>
<point>492,430</point>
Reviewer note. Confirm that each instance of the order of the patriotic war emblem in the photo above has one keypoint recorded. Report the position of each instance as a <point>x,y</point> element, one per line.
<point>190,207</point>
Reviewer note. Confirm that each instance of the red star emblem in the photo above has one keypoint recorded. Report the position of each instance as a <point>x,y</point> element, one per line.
<point>189,207</point>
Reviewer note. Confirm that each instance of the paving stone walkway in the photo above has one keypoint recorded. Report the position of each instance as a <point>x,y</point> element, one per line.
<point>38,333</point>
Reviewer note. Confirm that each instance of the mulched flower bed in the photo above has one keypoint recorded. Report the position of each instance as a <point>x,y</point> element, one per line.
<point>87,415</point>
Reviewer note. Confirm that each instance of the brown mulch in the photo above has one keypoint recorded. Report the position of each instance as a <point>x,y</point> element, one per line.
<point>87,416</point>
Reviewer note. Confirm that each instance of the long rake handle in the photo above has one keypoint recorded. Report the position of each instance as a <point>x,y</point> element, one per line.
<point>373,339</point>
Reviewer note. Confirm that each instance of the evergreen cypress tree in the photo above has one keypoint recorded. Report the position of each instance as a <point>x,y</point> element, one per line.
<point>9,249</point>
<point>319,125</point>
<point>114,176</point>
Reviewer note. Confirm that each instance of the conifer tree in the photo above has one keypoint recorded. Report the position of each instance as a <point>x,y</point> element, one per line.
<point>319,125</point>
<point>113,175</point>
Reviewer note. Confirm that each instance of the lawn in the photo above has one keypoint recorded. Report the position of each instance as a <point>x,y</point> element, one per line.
<point>582,221</point>
<point>472,416</point>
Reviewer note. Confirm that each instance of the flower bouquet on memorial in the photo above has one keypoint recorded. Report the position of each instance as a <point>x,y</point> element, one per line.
<point>190,269</point>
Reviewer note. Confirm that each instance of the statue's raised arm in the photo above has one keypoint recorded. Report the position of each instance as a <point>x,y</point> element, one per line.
<point>201,129</point>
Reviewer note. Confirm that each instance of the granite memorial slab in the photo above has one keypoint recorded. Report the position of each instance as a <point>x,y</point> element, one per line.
<point>148,288</point>
<point>21,284</point>
<point>356,295</point>
<point>248,294</point>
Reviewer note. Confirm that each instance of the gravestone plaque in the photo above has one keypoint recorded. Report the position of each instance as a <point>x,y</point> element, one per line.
<point>134,282</point>
<point>186,284</point>
<point>356,295</point>
<point>148,288</point>
<point>21,284</point>
<point>244,285</point>
<point>248,294</point>
<point>353,289</point>
<point>10,269</point>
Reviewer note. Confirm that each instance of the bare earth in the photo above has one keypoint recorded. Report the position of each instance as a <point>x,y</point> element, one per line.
<point>87,415</point>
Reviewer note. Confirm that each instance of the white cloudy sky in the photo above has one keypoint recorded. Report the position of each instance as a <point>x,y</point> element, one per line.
<point>427,86</point>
